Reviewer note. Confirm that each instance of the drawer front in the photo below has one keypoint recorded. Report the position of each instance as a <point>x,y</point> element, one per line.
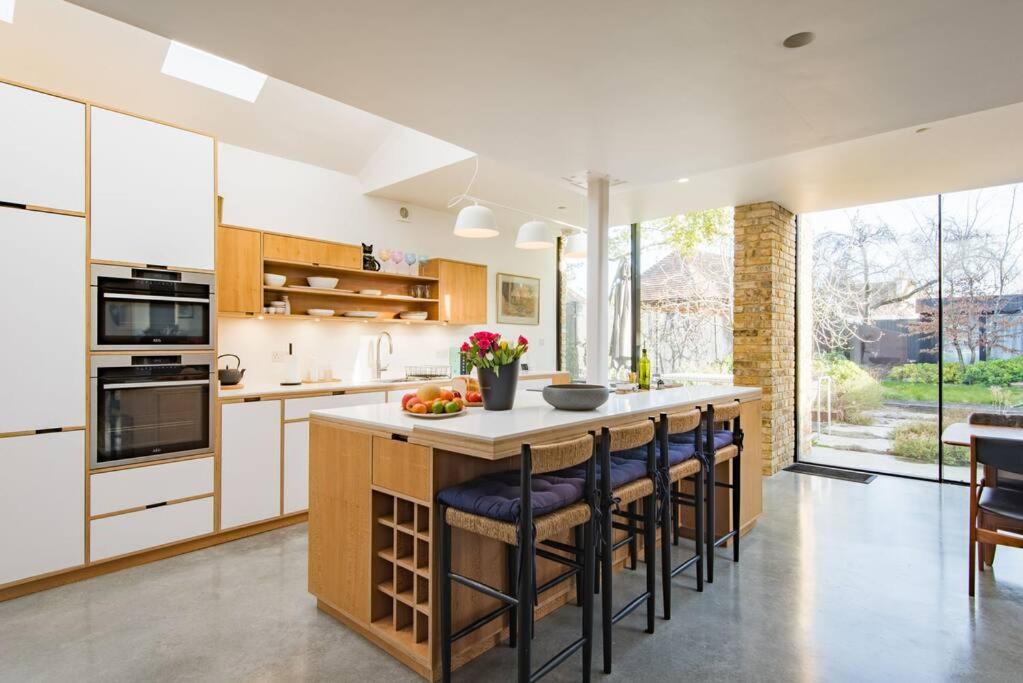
<point>134,531</point>
<point>299,408</point>
<point>139,486</point>
<point>402,467</point>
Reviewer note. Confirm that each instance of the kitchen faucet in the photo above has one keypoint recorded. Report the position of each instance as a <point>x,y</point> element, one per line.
<point>380,368</point>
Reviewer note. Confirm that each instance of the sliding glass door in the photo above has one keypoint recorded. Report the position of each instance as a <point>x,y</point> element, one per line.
<point>916,308</point>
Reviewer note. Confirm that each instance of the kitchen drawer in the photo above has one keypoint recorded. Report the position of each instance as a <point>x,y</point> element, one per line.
<point>134,531</point>
<point>402,467</point>
<point>139,486</point>
<point>298,408</point>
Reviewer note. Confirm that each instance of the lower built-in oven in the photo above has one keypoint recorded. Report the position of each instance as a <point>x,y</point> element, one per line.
<point>151,308</point>
<point>150,407</point>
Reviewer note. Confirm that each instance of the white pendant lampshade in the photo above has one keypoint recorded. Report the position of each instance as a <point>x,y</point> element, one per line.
<point>535,235</point>
<point>476,221</point>
<point>575,246</point>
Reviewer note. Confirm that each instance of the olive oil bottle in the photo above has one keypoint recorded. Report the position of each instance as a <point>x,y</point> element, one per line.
<point>644,371</point>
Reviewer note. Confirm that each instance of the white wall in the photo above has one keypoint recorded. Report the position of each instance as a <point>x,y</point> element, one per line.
<point>270,193</point>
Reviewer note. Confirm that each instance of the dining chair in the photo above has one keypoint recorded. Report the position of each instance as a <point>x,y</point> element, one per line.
<point>995,506</point>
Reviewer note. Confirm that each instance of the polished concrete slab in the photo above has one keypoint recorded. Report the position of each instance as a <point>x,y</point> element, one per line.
<point>839,582</point>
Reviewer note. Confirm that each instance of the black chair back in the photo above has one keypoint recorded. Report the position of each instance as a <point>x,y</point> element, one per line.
<point>1002,454</point>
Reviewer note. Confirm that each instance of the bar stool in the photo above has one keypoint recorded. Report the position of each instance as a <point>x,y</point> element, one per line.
<point>722,445</point>
<point>524,508</point>
<point>681,458</point>
<point>628,453</point>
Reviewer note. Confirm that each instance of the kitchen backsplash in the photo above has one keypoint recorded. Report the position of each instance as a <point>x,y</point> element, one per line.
<point>349,348</point>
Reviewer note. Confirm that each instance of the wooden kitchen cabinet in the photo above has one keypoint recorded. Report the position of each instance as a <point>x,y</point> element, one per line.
<point>42,270</point>
<point>239,271</point>
<point>42,504</point>
<point>461,289</point>
<point>43,143</point>
<point>153,192</point>
<point>317,252</point>
<point>250,462</point>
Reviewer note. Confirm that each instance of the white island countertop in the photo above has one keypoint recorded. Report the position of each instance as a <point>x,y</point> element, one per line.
<point>498,434</point>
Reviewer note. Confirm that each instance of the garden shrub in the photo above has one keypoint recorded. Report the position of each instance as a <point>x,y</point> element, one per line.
<point>925,373</point>
<point>918,441</point>
<point>854,390</point>
<point>999,372</point>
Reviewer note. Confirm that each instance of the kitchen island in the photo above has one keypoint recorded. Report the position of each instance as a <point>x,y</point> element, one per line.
<point>374,472</point>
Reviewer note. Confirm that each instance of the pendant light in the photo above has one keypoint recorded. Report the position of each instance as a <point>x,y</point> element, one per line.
<point>575,246</point>
<point>476,221</point>
<point>535,235</point>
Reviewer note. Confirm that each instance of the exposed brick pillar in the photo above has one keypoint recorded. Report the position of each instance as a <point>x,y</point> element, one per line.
<point>764,321</point>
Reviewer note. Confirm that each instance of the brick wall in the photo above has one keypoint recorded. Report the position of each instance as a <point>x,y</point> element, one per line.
<point>764,321</point>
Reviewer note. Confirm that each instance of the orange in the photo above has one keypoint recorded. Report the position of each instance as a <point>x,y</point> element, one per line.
<point>418,408</point>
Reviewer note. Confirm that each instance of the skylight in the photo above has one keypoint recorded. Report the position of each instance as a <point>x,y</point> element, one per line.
<point>7,11</point>
<point>209,71</point>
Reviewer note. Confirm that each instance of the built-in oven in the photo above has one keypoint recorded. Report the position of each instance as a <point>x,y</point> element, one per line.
<point>150,407</point>
<point>151,308</point>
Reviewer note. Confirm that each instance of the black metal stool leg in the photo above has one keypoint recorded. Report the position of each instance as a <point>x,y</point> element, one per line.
<point>589,566</point>
<point>711,525</point>
<point>649,555</point>
<point>677,516</point>
<point>580,551</point>
<point>525,608</point>
<point>666,524</point>
<point>605,581</point>
<point>736,490</point>
<point>445,595</point>
<point>700,532</point>
<point>633,543</point>
<point>512,555</point>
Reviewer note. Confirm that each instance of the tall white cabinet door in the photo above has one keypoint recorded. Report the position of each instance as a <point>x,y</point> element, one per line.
<point>42,139</point>
<point>250,462</point>
<point>42,504</point>
<point>42,272</point>
<point>296,466</point>
<point>152,193</point>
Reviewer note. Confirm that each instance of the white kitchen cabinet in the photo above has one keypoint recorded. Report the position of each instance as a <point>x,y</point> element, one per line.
<point>42,272</point>
<point>42,504</point>
<point>141,486</point>
<point>250,462</point>
<point>299,408</point>
<point>296,466</point>
<point>134,531</point>
<point>152,192</point>
<point>43,143</point>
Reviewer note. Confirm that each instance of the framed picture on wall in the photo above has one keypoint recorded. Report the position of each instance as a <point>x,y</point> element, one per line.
<point>518,299</point>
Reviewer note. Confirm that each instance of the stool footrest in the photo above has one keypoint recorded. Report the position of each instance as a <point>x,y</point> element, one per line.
<point>556,660</point>
<point>724,539</point>
<point>485,619</point>
<point>560,559</point>
<point>686,565</point>
<point>633,604</point>
<point>483,588</point>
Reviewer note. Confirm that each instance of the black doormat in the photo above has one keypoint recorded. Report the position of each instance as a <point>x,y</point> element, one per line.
<point>831,472</point>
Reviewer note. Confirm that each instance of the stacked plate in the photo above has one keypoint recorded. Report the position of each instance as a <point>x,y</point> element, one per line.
<point>413,315</point>
<point>361,314</point>
<point>370,292</point>
<point>321,312</point>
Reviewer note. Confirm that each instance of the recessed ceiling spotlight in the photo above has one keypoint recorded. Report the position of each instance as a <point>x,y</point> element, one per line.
<point>922,130</point>
<point>560,208</point>
<point>211,71</point>
<point>7,11</point>
<point>683,180</point>
<point>801,39</point>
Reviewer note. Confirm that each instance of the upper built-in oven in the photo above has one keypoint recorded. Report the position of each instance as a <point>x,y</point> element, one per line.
<point>149,308</point>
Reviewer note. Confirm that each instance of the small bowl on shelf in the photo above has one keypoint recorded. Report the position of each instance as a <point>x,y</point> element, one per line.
<point>322,282</point>
<point>413,315</point>
<point>274,280</point>
<point>575,396</point>
<point>321,312</point>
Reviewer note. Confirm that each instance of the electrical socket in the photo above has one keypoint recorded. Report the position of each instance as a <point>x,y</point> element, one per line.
<point>279,356</point>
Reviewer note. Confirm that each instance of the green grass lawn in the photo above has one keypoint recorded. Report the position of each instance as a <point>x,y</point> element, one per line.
<point>954,393</point>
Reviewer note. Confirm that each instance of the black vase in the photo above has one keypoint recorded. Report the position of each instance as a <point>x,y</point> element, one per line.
<point>498,388</point>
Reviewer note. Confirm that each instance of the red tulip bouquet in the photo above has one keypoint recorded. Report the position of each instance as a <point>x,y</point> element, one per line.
<point>489,354</point>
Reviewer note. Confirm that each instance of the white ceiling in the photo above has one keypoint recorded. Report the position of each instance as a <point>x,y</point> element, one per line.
<point>646,92</point>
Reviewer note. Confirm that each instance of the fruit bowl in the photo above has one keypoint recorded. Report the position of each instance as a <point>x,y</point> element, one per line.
<point>432,401</point>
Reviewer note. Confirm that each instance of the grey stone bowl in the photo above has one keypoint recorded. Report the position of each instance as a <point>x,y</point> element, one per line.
<point>575,396</point>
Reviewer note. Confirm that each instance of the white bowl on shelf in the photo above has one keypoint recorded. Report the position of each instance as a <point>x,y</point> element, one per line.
<point>370,292</point>
<point>413,315</point>
<point>361,314</point>
<point>321,312</point>
<point>274,280</point>
<point>322,282</point>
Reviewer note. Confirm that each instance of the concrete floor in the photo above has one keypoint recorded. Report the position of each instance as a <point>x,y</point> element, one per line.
<point>839,582</point>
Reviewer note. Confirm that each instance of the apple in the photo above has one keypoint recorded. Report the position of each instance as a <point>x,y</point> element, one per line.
<point>406,399</point>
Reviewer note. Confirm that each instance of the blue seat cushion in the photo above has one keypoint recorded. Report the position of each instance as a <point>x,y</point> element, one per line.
<point>680,452</point>
<point>499,495</point>
<point>722,437</point>
<point>626,466</point>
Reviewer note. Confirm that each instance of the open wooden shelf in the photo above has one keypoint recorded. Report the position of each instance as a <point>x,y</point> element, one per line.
<point>346,295</point>
<point>351,271</point>
<point>334,318</point>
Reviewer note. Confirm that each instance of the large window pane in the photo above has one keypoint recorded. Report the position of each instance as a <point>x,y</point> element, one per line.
<point>619,328</point>
<point>573,316</point>
<point>874,380</point>
<point>686,295</point>
<point>982,290</point>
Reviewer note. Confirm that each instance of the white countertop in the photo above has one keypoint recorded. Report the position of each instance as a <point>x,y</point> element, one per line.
<point>530,416</point>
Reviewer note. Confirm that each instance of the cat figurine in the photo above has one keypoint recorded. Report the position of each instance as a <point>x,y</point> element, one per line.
<point>369,262</point>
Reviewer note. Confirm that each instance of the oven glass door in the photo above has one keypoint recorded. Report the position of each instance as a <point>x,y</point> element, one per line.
<point>142,312</point>
<point>165,413</point>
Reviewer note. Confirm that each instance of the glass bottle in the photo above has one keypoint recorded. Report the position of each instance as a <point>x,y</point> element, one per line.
<point>644,371</point>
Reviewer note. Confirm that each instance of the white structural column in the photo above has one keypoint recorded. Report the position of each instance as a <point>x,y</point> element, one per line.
<point>597,280</point>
